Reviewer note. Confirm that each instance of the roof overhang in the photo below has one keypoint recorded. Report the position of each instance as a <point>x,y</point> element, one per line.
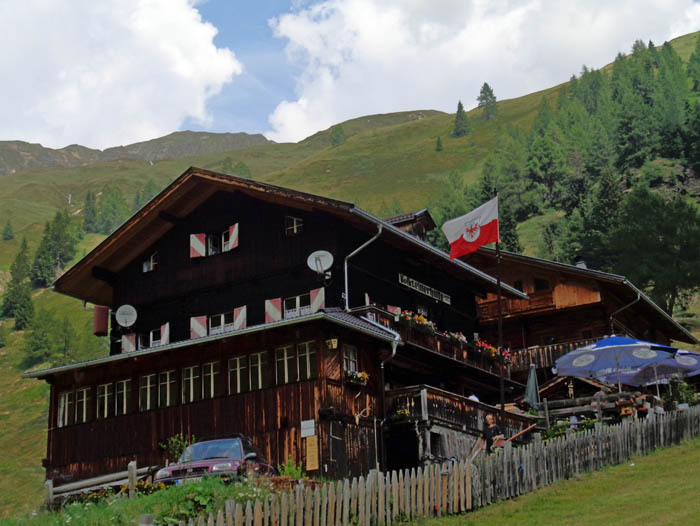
<point>339,318</point>
<point>92,278</point>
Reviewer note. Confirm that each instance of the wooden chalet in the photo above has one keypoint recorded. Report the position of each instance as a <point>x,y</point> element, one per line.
<point>235,333</point>
<point>568,306</point>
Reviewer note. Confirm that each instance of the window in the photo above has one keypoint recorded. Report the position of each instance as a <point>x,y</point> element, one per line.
<point>82,405</point>
<point>123,397</point>
<point>191,385</point>
<point>286,365</point>
<point>541,284</point>
<point>238,380</point>
<point>258,375</point>
<point>150,339</point>
<point>422,309</point>
<point>350,362</point>
<point>148,392</point>
<point>220,323</point>
<point>150,263</point>
<point>293,225</point>
<point>297,306</point>
<point>65,409</point>
<point>105,401</point>
<point>166,389</point>
<point>307,360</point>
<point>210,379</point>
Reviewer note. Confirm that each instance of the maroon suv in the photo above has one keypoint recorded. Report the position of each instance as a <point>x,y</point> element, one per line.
<point>225,456</point>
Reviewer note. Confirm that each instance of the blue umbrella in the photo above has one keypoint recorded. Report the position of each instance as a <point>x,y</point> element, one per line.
<point>612,355</point>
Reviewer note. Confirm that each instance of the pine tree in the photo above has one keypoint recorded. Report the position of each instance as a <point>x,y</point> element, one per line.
<point>24,308</point>
<point>17,290</point>
<point>487,100</point>
<point>694,66</point>
<point>438,144</point>
<point>7,232</point>
<point>3,337</point>
<point>462,126</point>
<point>692,137</point>
<point>113,210</point>
<point>241,170</point>
<point>90,213</point>
<point>337,136</point>
<point>43,270</point>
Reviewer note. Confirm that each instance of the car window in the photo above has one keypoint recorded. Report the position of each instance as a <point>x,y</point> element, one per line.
<point>250,448</point>
<point>211,450</point>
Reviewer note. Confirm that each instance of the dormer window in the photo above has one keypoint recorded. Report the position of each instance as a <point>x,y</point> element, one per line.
<point>151,263</point>
<point>155,338</point>
<point>293,225</point>
<point>297,306</point>
<point>217,243</point>
<point>203,245</point>
<point>220,323</point>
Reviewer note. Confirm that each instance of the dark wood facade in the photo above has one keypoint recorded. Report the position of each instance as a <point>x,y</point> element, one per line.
<point>267,262</point>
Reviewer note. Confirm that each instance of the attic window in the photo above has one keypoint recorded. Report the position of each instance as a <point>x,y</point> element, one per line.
<point>202,245</point>
<point>217,242</point>
<point>150,263</point>
<point>297,306</point>
<point>541,284</point>
<point>293,225</point>
<point>220,323</point>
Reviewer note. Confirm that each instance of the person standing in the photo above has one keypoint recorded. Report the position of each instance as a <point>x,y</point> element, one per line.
<point>493,436</point>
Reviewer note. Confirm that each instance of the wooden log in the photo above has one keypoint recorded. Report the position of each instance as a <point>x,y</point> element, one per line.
<point>131,475</point>
<point>48,493</point>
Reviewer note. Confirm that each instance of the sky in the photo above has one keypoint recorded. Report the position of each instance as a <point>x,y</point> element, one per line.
<point>115,72</point>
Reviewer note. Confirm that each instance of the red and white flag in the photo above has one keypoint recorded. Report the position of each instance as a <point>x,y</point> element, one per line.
<point>473,230</point>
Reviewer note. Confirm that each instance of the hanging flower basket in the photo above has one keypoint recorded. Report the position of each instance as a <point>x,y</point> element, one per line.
<point>357,378</point>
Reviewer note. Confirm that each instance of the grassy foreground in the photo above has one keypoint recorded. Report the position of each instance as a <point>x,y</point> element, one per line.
<point>657,489</point>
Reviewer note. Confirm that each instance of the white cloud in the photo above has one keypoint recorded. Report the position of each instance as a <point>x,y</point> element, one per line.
<point>376,56</point>
<point>106,73</point>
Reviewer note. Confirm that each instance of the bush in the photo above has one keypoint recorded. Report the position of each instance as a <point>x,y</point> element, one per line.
<point>175,445</point>
<point>291,470</point>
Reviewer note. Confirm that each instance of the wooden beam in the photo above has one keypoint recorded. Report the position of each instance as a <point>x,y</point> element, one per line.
<point>105,275</point>
<point>170,218</point>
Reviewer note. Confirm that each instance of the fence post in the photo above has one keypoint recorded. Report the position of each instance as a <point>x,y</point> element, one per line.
<point>48,493</point>
<point>546,412</point>
<point>131,473</point>
<point>145,520</point>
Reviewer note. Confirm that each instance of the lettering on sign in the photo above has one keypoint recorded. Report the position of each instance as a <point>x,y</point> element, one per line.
<point>424,289</point>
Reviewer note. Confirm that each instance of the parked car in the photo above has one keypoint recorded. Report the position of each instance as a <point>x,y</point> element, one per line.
<point>229,457</point>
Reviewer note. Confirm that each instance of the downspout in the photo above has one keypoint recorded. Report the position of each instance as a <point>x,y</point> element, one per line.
<point>612,329</point>
<point>394,345</point>
<point>351,254</point>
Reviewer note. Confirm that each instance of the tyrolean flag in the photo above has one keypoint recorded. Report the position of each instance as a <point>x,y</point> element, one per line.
<point>473,230</point>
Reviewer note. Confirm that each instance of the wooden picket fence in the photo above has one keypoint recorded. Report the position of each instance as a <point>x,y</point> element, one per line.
<point>383,499</point>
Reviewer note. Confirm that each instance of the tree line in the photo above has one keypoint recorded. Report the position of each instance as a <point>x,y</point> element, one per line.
<point>608,164</point>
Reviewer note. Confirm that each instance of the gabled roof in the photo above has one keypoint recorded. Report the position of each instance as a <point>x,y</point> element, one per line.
<point>413,217</point>
<point>624,288</point>
<point>89,278</point>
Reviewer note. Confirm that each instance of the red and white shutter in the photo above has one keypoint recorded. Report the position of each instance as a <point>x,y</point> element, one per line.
<point>239,318</point>
<point>393,309</point>
<point>273,310</point>
<point>198,245</point>
<point>232,238</point>
<point>318,299</point>
<point>165,334</point>
<point>198,327</point>
<point>129,342</point>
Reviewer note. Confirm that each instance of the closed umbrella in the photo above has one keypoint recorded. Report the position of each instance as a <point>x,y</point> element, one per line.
<point>532,390</point>
<point>612,356</point>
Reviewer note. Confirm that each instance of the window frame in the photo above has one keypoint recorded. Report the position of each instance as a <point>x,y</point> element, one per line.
<point>65,409</point>
<point>122,390</point>
<point>151,389</point>
<point>150,264</point>
<point>293,225</point>
<point>167,387</point>
<point>238,365</point>
<point>210,376</point>
<point>260,370</point>
<point>307,358</point>
<point>105,401</point>
<point>351,359</point>
<point>299,309</point>
<point>285,356</point>
<point>191,384</point>
<point>223,327</point>
<point>82,401</point>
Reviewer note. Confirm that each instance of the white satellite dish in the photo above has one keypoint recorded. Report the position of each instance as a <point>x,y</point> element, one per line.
<point>320,261</point>
<point>125,315</point>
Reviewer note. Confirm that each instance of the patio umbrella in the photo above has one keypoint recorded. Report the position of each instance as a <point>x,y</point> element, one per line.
<point>532,391</point>
<point>682,364</point>
<point>612,356</point>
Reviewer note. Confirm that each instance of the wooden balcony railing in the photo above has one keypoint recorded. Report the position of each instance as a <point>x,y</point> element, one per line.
<point>488,309</point>
<point>544,355</point>
<point>435,342</point>
<point>426,403</point>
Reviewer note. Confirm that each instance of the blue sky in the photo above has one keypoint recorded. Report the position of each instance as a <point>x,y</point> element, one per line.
<point>115,72</point>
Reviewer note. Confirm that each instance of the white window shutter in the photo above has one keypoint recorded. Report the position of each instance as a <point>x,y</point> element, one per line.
<point>128,342</point>
<point>198,245</point>
<point>198,327</point>
<point>239,318</point>
<point>232,238</point>
<point>318,299</point>
<point>273,310</point>
<point>165,334</point>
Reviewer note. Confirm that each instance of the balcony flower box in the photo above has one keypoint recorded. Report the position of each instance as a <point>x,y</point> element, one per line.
<point>358,378</point>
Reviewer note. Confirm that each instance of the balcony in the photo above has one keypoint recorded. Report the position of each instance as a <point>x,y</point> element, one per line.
<point>487,310</point>
<point>433,342</point>
<point>424,403</point>
<point>544,355</point>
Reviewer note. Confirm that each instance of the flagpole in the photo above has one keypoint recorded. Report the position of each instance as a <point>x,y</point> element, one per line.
<point>500,329</point>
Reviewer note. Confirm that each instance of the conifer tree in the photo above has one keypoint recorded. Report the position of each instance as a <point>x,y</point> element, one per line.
<point>90,213</point>
<point>24,308</point>
<point>487,100</point>
<point>241,170</point>
<point>694,66</point>
<point>7,232</point>
<point>17,289</point>
<point>43,270</point>
<point>438,144</point>
<point>112,210</point>
<point>462,126</point>
<point>337,136</point>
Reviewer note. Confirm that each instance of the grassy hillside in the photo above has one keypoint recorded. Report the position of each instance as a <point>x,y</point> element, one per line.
<point>384,157</point>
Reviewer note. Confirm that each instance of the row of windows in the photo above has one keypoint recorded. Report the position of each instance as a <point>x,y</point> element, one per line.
<point>219,242</point>
<point>293,363</point>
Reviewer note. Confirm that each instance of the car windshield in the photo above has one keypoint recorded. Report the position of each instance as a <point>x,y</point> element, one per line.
<point>214,449</point>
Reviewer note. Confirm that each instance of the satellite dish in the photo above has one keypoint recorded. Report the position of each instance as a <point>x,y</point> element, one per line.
<point>125,315</point>
<point>320,261</point>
